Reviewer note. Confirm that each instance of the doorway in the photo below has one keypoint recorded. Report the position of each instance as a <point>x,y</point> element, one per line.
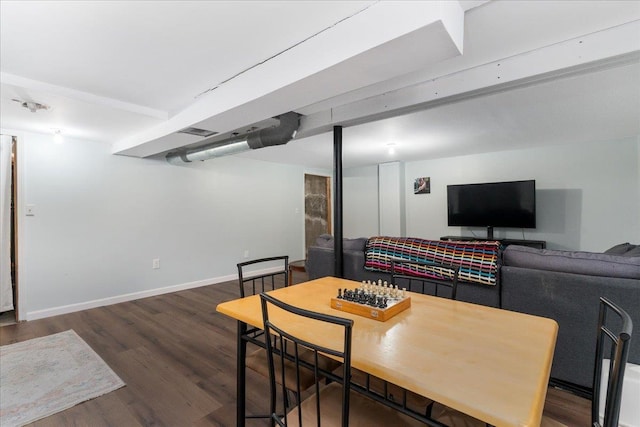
<point>317,208</point>
<point>8,230</point>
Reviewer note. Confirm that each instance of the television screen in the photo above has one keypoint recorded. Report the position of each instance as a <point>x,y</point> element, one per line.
<point>495,204</point>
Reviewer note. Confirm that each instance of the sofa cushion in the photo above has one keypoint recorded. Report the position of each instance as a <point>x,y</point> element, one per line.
<point>633,252</point>
<point>620,249</point>
<point>589,263</point>
<point>357,244</point>
<point>324,241</point>
<point>478,261</point>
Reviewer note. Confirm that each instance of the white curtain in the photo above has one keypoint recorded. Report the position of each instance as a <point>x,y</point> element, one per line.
<point>6,293</point>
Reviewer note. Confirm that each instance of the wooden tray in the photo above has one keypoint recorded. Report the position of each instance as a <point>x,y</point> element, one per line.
<point>381,314</point>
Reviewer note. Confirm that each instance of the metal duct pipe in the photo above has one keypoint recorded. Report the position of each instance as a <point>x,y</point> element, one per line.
<point>276,135</point>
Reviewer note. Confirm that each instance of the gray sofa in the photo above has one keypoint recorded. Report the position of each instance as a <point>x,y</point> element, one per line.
<point>561,285</point>
<point>320,262</point>
<point>566,286</point>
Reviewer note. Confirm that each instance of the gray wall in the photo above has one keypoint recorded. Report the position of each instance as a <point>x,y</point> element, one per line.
<point>360,201</point>
<point>587,194</point>
<point>100,219</point>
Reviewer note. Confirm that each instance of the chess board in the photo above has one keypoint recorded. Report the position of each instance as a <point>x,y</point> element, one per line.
<point>394,307</point>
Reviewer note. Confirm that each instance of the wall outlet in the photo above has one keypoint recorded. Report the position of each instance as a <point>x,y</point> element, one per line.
<point>156,263</point>
<point>246,253</point>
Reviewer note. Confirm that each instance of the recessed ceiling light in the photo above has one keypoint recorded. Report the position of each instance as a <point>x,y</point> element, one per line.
<point>391,148</point>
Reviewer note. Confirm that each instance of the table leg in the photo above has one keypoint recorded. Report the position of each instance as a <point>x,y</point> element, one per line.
<point>241,375</point>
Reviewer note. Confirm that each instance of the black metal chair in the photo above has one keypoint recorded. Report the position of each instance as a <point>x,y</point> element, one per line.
<point>261,275</point>
<point>617,344</point>
<point>254,277</point>
<point>333,404</point>
<point>618,354</point>
<point>410,274</point>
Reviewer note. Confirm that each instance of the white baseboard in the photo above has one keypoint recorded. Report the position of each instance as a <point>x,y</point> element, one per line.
<point>55,311</point>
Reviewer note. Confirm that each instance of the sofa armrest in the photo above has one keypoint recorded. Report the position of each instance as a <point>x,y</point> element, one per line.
<point>572,300</point>
<point>577,262</point>
<point>320,262</point>
<point>353,264</point>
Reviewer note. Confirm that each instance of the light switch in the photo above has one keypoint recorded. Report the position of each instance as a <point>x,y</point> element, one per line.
<point>31,210</point>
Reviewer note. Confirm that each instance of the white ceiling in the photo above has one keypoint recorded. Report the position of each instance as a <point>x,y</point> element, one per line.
<point>130,74</point>
<point>598,106</point>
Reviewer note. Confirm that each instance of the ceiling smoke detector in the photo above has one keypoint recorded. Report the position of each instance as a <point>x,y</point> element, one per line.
<point>32,105</point>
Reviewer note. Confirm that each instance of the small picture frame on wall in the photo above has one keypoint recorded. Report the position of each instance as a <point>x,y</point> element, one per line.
<point>422,185</point>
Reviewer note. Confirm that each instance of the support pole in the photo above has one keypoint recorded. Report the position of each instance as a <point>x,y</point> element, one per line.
<point>337,212</point>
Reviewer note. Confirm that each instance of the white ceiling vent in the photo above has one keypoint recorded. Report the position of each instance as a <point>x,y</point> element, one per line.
<point>198,132</point>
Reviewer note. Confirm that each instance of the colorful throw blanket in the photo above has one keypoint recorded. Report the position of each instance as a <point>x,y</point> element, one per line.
<point>478,261</point>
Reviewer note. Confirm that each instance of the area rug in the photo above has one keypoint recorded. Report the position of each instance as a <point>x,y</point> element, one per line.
<point>42,376</point>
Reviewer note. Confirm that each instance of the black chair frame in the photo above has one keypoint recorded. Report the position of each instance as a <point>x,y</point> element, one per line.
<point>343,376</point>
<point>266,281</point>
<point>423,281</point>
<point>260,283</point>
<point>399,403</point>
<point>618,354</point>
<point>283,336</point>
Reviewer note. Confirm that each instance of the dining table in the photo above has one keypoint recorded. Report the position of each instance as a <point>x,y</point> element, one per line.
<point>489,363</point>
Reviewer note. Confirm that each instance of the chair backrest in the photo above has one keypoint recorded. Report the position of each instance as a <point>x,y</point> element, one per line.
<point>416,275</point>
<point>299,328</point>
<point>255,283</point>
<point>618,343</point>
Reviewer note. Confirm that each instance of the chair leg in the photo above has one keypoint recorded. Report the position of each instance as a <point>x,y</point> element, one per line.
<point>429,410</point>
<point>287,401</point>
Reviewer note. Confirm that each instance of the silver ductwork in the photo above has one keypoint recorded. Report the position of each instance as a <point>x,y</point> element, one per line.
<point>276,135</point>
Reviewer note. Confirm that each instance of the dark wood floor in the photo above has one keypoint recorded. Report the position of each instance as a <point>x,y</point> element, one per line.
<point>177,357</point>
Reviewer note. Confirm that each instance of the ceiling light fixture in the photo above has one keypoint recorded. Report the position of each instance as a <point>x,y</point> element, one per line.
<point>391,149</point>
<point>32,105</point>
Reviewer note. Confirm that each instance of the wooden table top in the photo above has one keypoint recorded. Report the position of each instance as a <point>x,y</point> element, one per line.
<point>489,363</point>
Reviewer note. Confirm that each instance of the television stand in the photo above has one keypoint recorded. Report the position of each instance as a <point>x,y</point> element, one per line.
<point>489,232</point>
<point>538,244</point>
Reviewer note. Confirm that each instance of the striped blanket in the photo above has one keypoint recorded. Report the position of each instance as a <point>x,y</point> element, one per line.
<point>478,261</point>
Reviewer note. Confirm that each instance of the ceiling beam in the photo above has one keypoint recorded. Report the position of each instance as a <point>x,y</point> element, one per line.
<point>365,49</point>
<point>607,48</point>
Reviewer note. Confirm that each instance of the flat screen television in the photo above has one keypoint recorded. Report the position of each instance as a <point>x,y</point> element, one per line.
<point>494,204</point>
